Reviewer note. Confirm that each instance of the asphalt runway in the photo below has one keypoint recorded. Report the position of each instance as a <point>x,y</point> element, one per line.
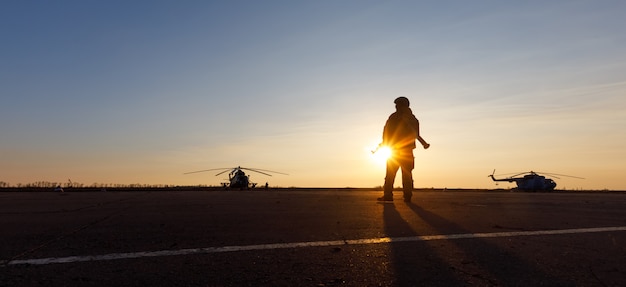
<point>315,237</point>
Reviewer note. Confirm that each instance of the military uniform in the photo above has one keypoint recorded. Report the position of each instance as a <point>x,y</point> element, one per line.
<point>399,134</point>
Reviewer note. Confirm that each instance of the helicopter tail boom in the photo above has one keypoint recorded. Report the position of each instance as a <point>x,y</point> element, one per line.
<point>509,179</point>
<point>501,179</point>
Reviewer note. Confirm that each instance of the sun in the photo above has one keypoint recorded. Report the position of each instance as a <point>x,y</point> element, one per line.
<point>382,154</point>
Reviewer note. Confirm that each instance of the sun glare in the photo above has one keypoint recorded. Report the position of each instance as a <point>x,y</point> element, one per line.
<point>382,154</point>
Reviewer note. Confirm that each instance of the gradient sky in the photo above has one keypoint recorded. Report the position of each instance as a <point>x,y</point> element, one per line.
<point>144,91</point>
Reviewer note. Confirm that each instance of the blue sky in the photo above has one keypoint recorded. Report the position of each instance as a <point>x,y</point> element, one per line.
<point>144,91</point>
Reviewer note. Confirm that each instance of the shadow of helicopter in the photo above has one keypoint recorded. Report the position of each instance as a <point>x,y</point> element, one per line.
<point>532,181</point>
<point>237,178</point>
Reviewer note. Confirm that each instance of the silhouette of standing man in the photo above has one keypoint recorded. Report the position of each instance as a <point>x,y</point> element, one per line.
<point>400,132</point>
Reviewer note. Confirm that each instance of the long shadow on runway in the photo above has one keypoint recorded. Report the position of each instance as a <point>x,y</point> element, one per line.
<point>485,261</point>
<point>414,263</point>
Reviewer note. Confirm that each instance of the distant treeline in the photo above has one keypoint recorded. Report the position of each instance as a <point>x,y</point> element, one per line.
<point>149,188</point>
<point>107,189</point>
<point>52,185</point>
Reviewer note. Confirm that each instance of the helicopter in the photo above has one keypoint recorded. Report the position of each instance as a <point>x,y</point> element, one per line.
<point>237,178</point>
<point>532,181</point>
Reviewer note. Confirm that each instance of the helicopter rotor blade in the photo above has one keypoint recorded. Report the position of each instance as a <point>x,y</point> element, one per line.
<point>263,171</point>
<point>225,171</point>
<point>258,171</point>
<point>518,174</point>
<point>512,174</point>
<point>555,174</point>
<point>205,170</point>
<point>232,169</point>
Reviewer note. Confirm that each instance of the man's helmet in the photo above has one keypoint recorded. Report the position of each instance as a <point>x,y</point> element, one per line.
<point>402,101</point>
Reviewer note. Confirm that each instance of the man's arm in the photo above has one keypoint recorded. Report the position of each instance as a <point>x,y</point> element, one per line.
<point>423,142</point>
<point>418,136</point>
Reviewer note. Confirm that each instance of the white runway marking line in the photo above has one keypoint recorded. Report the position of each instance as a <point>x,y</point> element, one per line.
<point>131,255</point>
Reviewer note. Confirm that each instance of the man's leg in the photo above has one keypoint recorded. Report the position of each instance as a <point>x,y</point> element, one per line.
<point>407,184</point>
<point>408,163</point>
<point>390,177</point>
